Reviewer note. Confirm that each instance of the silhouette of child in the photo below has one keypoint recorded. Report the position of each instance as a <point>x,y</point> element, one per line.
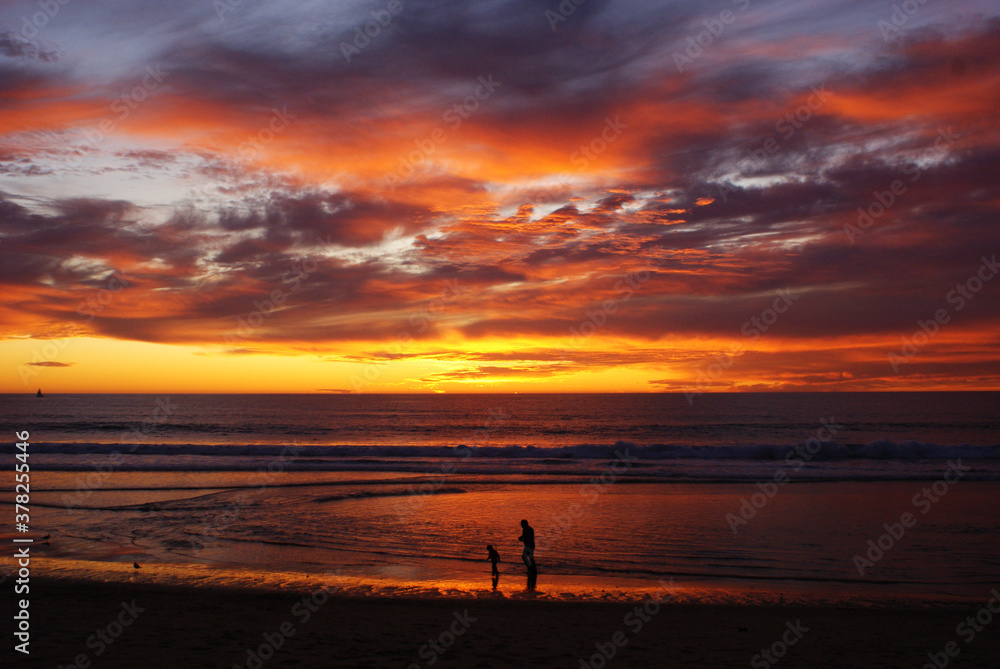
<point>494,557</point>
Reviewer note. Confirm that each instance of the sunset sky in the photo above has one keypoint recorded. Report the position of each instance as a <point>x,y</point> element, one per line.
<point>249,196</point>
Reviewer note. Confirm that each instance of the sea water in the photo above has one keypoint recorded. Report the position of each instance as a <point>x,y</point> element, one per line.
<point>856,497</point>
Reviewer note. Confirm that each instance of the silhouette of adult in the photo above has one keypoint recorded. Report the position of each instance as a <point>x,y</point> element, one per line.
<point>528,539</point>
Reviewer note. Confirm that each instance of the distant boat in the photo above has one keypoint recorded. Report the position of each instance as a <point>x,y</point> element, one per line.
<point>39,393</point>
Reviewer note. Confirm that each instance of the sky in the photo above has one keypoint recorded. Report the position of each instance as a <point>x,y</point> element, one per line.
<point>499,196</point>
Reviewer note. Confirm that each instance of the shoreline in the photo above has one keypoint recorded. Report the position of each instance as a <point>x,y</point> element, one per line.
<point>401,582</point>
<point>218,627</point>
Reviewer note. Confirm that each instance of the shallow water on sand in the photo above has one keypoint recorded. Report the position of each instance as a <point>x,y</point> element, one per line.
<point>595,540</point>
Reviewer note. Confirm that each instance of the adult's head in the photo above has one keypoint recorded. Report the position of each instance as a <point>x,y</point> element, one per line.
<point>524,523</point>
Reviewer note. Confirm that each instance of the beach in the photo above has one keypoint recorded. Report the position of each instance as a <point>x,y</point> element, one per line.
<point>212,627</point>
<point>729,544</point>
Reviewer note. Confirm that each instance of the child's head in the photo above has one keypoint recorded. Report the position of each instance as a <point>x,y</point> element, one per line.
<point>489,547</point>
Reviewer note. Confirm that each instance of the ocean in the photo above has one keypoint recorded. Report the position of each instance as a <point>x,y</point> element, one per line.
<point>865,498</point>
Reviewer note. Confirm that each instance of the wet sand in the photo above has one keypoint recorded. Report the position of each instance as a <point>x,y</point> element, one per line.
<point>143,625</point>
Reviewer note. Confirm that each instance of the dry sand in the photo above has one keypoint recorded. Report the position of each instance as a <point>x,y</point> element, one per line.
<point>200,627</point>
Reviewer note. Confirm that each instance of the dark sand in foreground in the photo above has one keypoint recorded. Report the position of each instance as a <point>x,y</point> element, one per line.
<point>215,628</point>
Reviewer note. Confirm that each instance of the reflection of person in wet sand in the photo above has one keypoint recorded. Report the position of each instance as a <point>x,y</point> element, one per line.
<point>494,558</point>
<point>528,539</point>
